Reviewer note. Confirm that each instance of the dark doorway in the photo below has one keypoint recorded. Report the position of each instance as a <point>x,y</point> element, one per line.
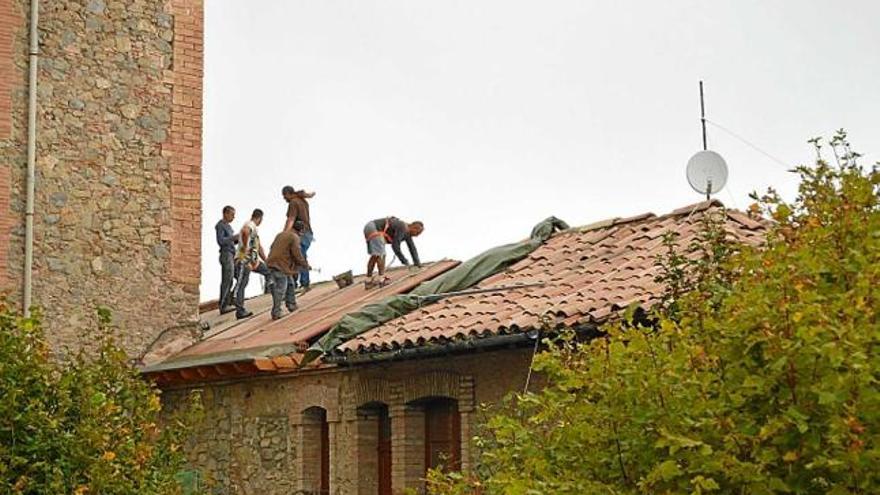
<point>325,456</point>
<point>442,435</point>
<point>383,451</point>
<point>316,450</point>
<point>374,449</point>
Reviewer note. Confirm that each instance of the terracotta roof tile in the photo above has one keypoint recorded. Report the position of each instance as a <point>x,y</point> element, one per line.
<point>588,273</point>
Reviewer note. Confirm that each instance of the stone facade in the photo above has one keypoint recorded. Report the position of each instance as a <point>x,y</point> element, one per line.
<point>262,435</point>
<point>117,218</point>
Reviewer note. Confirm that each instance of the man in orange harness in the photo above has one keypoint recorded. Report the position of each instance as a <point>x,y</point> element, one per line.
<point>391,230</point>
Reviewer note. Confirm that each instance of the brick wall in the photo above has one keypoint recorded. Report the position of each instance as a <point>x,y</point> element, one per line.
<point>221,448</point>
<point>117,220</point>
<point>9,24</point>
<point>184,146</point>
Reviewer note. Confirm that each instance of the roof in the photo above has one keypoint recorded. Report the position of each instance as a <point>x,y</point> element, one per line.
<point>582,276</point>
<point>235,347</point>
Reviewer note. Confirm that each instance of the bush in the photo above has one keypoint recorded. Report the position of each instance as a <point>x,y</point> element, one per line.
<point>89,425</point>
<point>760,378</point>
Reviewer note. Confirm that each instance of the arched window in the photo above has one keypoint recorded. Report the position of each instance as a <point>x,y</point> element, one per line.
<point>315,451</point>
<point>374,449</point>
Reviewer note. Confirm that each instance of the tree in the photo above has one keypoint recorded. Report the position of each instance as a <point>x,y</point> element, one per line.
<point>87,425</point>
<point>758,373</point>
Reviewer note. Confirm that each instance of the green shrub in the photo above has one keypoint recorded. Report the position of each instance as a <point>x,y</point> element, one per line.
<point>761,377</point>
<point>88,425</point>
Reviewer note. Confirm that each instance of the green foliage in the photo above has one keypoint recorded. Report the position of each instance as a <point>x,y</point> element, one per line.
<point>89,425</point>
<point>760,375</point>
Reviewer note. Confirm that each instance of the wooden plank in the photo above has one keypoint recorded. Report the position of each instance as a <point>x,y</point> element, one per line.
<point>283,362</point>
<point>264,364</point>
<point>297,359</point>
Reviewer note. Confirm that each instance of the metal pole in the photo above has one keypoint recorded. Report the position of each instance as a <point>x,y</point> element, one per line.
<point>33,58</point>
<point>443,295</point>
<point>703,115</point>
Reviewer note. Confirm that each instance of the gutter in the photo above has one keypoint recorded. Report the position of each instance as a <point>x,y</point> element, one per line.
<point>33,60</point>
<point>434,350</point>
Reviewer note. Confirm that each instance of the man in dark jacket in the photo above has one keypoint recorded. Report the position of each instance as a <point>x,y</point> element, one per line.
<point>226,239</point>
<point>391,230</point>
<point>285,261</point>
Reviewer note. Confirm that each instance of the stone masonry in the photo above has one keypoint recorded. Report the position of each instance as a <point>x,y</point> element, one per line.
<point>118,174</point>
<point>259,435</point>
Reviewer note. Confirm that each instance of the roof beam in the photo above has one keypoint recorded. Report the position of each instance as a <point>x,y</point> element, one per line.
<point>224,369</point>
<point>265,364</point>
<point>188,374</point>
<point>283,362</point>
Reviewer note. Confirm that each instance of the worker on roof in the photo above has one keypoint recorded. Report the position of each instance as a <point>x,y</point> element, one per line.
<point>227,240</point>
<point>390,230</point>
<point>298,210</point>
<point>250,258</point>
<point>285,261</point>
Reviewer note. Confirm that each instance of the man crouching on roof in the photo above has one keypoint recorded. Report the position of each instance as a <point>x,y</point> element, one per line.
<point>389,230</point>
<point>285,261</point>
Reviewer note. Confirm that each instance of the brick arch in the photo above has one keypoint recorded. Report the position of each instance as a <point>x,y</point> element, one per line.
<point>372,390</point>
<point>316,396</point>
<point>438,383</point>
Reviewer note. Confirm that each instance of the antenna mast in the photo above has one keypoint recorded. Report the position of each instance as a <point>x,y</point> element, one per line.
<point>703,115</point>
<point>703,121</point>
<point>706,171</point>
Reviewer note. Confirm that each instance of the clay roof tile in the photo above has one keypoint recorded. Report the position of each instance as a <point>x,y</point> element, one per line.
<point>589,273</point>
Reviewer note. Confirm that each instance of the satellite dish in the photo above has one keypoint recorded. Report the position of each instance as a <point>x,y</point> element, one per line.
<point>707,172</point>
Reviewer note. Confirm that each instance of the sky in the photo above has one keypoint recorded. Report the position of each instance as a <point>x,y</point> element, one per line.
<point>482,118</point>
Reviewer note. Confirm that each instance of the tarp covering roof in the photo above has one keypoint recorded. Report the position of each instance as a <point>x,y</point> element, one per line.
<point>461,277</point>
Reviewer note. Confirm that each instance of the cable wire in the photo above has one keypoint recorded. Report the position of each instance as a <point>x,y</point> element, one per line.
<point>748,143</point>
<point>532,363</point>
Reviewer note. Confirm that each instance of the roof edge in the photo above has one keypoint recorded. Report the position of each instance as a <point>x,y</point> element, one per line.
<point>243,355</point>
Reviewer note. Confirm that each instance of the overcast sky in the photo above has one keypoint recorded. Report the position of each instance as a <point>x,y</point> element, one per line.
<point>483,117</point>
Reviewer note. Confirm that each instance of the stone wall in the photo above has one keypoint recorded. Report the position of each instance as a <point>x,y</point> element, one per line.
<point>118,163</point>
<point>257,436</point>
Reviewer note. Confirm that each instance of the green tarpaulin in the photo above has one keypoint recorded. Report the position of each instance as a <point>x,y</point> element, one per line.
<point>459,278</point>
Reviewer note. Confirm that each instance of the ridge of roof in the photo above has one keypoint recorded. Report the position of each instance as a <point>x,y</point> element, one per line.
<point>695,207</point>
<point>614,221</point>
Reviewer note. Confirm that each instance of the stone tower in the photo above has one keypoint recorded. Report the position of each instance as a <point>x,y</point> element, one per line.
<point>118,163</point>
